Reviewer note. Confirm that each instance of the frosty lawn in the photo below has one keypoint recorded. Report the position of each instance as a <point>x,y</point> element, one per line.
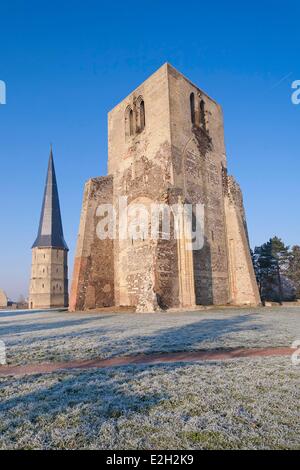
<point>59,336</point>
<point>242,403</point>
<point>238,404</point>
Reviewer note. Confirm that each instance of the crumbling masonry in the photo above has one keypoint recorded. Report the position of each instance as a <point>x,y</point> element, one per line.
<point>166,143</point>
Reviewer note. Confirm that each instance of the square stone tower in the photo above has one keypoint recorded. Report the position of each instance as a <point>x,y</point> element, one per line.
<point>166,146</point>
<point>49,270</point>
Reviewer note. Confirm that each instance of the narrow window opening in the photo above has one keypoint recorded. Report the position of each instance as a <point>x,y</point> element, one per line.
<point>131,122</point>
<point>192,103</point>
<point>128,122</point>
<point>142,115</point>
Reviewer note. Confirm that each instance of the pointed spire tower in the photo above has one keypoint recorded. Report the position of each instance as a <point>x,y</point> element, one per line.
<point>49,272</point>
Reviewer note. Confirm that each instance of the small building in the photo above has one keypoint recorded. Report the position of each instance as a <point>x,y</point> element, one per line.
<point>3,299</point>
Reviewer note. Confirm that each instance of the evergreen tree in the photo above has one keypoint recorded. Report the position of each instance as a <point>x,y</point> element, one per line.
<point>293,271</point>
<point>281,253</point>
<point>264,265</point>
<point>271,260</point>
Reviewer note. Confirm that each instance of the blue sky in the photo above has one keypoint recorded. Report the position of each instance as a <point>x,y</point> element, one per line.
<point>66,64</point>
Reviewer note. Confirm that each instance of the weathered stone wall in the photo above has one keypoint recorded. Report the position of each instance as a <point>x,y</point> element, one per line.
<point>49,278</point>
<point>243,285</point>
<point>198,155</point>
<point>93,274</point>
<point>164,154</point>
<point>166,262</point>
<point>141,165</point>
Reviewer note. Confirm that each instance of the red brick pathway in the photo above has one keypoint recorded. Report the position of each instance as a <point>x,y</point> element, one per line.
<point>159,358</point>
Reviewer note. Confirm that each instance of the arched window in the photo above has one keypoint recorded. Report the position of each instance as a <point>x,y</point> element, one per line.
<point>128,122</point>
<point>131,122</point>
<point>142,115</point>
<point>202,114</point>
<point>192,103</point>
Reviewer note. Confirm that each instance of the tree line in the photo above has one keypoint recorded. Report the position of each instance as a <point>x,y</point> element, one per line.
<point>277,270</point>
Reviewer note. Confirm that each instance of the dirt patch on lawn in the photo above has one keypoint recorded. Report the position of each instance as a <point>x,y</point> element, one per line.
<point>159,358</point>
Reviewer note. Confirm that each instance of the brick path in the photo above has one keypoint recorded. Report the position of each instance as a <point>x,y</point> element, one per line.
<point>159,358</point>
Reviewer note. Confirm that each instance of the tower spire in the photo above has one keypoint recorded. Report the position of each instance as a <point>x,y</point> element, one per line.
<point>50,233</point>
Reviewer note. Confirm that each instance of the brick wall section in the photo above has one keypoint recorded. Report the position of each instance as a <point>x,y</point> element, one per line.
<point>141,165</point>
<point>243,286</point>
<point>198,155</point>
<point>93,274</point>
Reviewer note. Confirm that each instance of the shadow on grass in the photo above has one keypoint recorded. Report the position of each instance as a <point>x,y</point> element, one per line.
<point>98,395</point>
<point>91,338</point>
<point>31,326</point>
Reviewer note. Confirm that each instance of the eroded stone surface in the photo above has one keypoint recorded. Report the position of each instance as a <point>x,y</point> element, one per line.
<point>166,159</point>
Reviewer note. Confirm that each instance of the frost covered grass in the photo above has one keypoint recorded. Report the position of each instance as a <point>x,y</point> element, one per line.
<point>239,404</point>
<point>32,337</point>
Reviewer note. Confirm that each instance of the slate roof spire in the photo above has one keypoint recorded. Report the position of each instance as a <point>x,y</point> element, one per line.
<point>50,234</point>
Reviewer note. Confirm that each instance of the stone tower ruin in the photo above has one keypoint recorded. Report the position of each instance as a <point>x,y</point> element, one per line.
<point>49,270</point>
<point>166,146</point>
